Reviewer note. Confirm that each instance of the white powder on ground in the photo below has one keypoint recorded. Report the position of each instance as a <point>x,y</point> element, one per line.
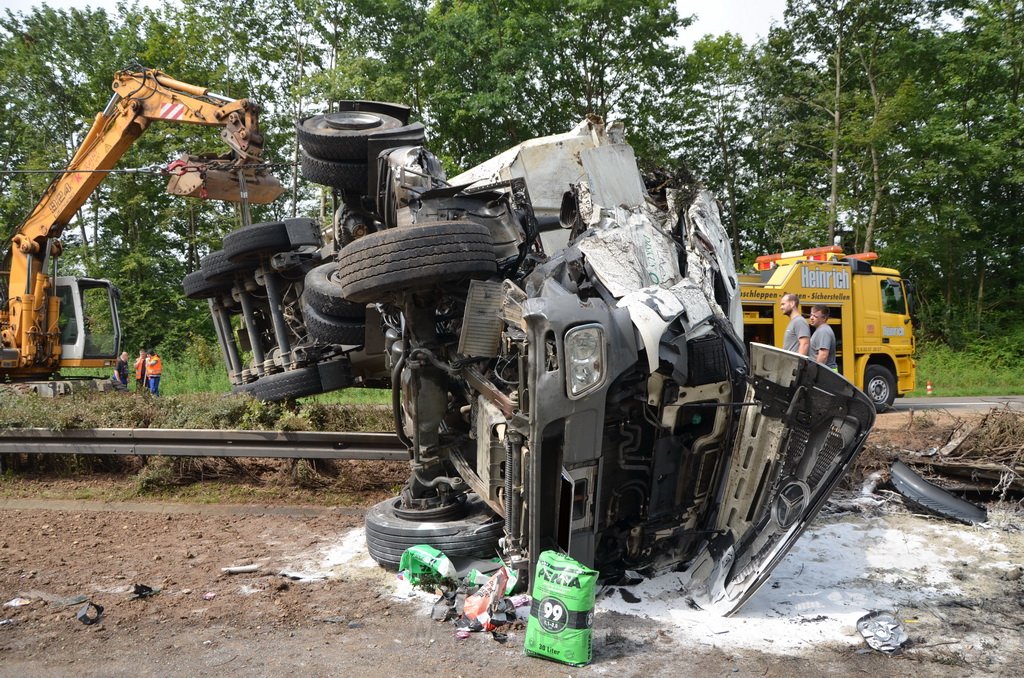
<point>836,573</point>
<point>839,570</point>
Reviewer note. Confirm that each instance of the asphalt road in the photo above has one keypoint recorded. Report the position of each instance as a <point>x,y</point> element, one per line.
<point>962,403</point>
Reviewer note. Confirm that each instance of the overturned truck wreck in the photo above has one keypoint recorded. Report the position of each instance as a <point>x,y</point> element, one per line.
<point>597,400</point>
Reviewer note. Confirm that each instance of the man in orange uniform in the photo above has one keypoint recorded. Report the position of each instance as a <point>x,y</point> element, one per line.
<point>140,370</point>
<point>154,367</point>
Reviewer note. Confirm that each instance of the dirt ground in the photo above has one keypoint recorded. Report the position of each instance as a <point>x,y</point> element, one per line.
<point>203,622</point>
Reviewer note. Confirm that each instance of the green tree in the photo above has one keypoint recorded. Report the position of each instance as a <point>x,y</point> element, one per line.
<point>711,113</point>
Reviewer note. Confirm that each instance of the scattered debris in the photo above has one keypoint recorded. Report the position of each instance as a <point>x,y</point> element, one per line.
<point>143,591</point>
<point>84,615</point>
<point>629,578</point>
<point>870,484</point>
<point>6,622</point>
<point>629,596</point>
<point>882,632</point>
<point>985,455</point>
<point>471,600</point>
<point>422,561</point>
<point>209,595</point>
<point>18,602</point>
<point>302,576</point>
<point>480,606</point>
<point>933,498</point>
<point>240,569</point>
<point>444,608</point>
<point>334,620</point>
<point>957,438</point>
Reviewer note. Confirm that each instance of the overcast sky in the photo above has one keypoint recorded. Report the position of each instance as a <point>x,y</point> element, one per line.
<point>749,18</point>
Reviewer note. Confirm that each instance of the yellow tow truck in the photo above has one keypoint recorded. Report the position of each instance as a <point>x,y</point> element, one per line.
<point>870,312</point>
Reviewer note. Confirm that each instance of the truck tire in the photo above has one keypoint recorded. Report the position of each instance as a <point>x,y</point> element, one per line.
<point>388,535</point>
<point>880,386</point>
<point>304,381</point>
<point>217,266</point>
<point>270,237</point>
<point>245,387</point>
<point>342,136</point>
<point>345,176</point>
<point>327,329</point>
<point>379,264</point>
<point>196,286</point>
<point>322,291</point>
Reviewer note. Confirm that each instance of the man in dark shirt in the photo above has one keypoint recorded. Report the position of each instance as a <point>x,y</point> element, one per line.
<point>121,369</point>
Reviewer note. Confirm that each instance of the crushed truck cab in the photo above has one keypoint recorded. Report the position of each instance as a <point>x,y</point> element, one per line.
<point>869,310</point>
<point>597,400</point>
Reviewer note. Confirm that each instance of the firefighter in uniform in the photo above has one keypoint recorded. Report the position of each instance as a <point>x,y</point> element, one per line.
<point>154,367</point>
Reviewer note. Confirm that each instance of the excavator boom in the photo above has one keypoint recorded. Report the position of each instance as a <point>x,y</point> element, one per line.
<point>30,315</point>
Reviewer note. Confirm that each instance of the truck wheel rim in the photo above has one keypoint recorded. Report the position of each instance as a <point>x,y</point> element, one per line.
<point>879,390</point>
<point>351,120</point>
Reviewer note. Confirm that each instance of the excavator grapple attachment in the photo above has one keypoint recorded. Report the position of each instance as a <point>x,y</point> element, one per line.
<point>196,177</point>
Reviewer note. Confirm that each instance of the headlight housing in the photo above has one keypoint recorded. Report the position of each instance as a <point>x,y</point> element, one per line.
<point>585,353</point>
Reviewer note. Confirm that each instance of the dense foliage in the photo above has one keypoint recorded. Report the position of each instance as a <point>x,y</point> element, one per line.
<point>892,124</point>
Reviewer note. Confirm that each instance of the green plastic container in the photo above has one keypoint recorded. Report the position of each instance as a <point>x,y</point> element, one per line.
<point>562,612</point>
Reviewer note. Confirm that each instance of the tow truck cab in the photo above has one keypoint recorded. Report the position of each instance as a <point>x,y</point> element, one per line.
<point>870,310</point>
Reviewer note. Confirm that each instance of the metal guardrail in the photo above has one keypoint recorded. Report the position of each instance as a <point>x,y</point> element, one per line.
<point>204,443</point>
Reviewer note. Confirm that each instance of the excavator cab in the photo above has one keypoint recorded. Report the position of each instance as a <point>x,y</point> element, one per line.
<point>90,328</point>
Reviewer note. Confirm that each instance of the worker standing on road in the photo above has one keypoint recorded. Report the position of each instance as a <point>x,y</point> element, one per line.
<point>798,333</point>
<point>154,368</point>
<point>823,341</point>
<point>140,370</point>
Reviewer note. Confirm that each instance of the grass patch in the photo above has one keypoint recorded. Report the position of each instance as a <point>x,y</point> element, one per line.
<point>964,373</point>
<point>189,411</point>
<point>352,396</point>
<point>189,376</point>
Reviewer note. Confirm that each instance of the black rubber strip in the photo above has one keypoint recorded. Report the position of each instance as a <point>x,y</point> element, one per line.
<point>933,498</point>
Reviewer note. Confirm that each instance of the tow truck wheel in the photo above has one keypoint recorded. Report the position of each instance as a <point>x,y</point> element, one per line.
<point>342,135</point>
<point>880,385</point>
<point>389,532</point>
<point>378,265</point>
<point>322,290</point>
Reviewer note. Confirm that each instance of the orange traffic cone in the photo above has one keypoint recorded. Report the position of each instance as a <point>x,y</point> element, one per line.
<point>928,389</point>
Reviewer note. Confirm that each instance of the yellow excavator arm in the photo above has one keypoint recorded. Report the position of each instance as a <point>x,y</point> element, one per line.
<point>29,327</point>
